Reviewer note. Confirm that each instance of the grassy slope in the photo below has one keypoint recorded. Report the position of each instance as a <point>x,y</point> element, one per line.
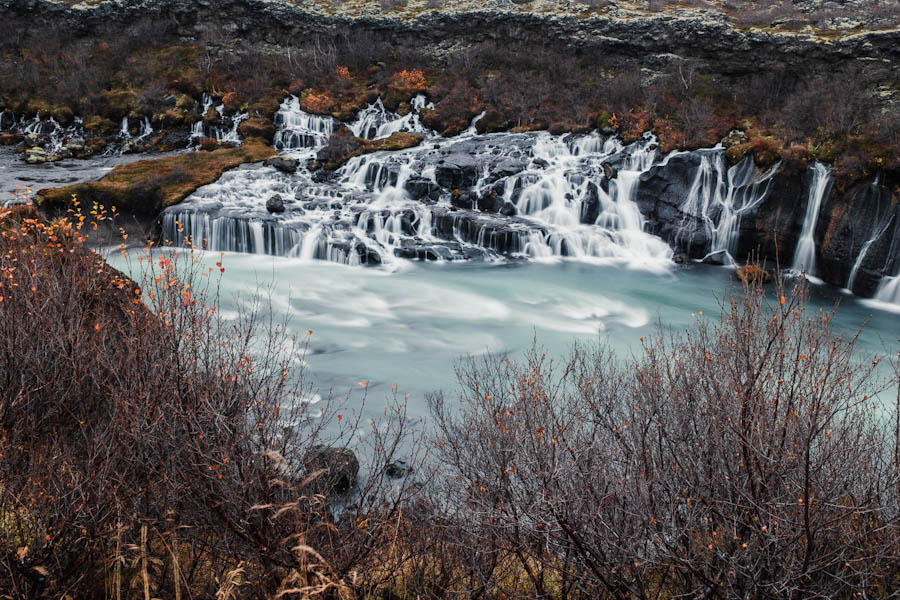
<point>147,186</point>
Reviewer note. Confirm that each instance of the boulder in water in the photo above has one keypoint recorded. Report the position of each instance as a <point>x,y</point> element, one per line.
<point>398,469</point>
<point>275,204</point>
<point>457,171</point>
<point>467,199</point>
<point>285,165</point>
<point>336,467</point>
<point>419,188</point>
<point>490,202</point>
<point>590,204</point>
<point>508,209</point>
<point>37,156</point>
<point>609,171</point>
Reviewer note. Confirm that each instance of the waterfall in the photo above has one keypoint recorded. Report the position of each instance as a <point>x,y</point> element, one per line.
<point>719,197</point>
<point>879,231</point>
<point>299,130</point>
<point>231,135</point>
<point>223,135</point>
<point>472,129</point>
<point>564,186</point>
<point>53,133</point>
<point>805,254</point>
<point>552,191</point>
<point>376,122</point>
<point>889,290</point>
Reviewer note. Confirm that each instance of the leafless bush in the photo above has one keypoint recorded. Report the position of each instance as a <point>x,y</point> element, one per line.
<point>738,460</point>
<point>145,438</point>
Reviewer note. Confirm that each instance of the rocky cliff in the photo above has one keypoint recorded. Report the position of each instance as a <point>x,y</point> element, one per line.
<point>654,38</point>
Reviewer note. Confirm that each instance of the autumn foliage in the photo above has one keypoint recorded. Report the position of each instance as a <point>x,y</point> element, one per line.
<point>144,452</point>
<point>408,81</point>
<point>142,440</point>
<point>317,102</point>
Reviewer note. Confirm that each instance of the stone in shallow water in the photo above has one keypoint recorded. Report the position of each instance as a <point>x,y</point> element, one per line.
<point>457,171</point>
<point>275,204</point>
<point>285,165</point>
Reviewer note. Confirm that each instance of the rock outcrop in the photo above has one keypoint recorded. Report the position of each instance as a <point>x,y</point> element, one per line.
<point>655,38</point>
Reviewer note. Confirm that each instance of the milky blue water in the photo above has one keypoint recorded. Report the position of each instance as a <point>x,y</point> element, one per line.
<point>407,328</point>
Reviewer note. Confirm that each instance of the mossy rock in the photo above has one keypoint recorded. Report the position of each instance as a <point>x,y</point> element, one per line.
<point>118,103</point>
<point>171,117</point>
<point>343,145</point>
<point>258,127</point>
<point>143,188</point>
<point>211,117</point>
<point>492,122</point>
<point>10,139</point>
<point>231,102</point>
<point>185,103</point>
<point>37,108</point>
<point>100,125</point>
<point>62,115</point>
<point>267,105</point>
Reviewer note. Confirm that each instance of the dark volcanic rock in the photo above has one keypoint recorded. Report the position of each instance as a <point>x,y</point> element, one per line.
<point>654,38</point>
<point>772,231</point>
<point>863,217</point>
<point>420,188</point>
<point>660,194</point>
<point>340,146</point>
<point>457,171</point>
<point>275,204</point>
<point>590,204</point>
<point>285,165</point>
<point>490,201</point>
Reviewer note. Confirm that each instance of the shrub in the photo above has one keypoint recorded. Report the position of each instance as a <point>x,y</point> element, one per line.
<point>317,102</point>
<point>408,81</point>
<point>739,459</point>
<point>143,438</point>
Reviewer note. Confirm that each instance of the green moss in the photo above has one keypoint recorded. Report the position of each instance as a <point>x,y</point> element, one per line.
<point>118,103</point>
<point>145,187</point>
<point>100,125</point>
<point>397,141</point>
<point>492,122</point>
<point>258,127</point>
<point>766,151</point>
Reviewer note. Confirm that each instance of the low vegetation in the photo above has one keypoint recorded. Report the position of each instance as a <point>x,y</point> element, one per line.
<point>343,145</point>
<point>148,70</point>
<point>144,453</point>
<point>144,188</point>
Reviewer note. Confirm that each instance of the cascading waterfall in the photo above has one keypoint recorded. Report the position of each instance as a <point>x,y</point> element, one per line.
<point>558,197</point>
<point>376,122</point>
<point>222,135</point>
<point>556,200</point>
<point>719,197</point>
<point>145,131</point>
<point>299,130</point>
<point>879,231</point>
<point>805,254</point>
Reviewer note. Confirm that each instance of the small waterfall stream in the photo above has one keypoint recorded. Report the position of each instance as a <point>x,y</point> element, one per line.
<point>551,190</point>
<point>226,132</point>
<point>502,196</point>
<point>805,254</point>
<point>719,197</point>
<point>376,122</point>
